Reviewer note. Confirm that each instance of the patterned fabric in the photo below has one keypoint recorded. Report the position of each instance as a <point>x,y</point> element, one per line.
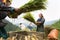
<point>3,15</point>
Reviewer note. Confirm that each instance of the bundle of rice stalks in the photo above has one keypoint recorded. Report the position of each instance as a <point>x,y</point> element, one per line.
<point>29,17</point>
<point>33,5</point>
<point>14,15</point>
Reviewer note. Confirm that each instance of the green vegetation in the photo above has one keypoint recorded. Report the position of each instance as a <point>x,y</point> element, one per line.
<point>32,5</point>
<point>28,16</point>
<point>56,25</point>
<point>11,27</point>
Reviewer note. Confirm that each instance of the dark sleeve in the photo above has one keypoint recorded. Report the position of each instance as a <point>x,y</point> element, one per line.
<point>12,9</point>
<point>38,20</point>
<point>41,20</point>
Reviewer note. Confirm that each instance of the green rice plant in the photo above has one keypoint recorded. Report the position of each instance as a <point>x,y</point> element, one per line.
<point>28,16</point>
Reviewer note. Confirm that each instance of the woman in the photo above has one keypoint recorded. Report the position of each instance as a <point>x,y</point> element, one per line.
<point>3,14</point>
<point>40,23</point>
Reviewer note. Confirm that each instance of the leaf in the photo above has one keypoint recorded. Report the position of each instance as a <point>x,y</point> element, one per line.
<point>29,17</point>
<point>32,6</point>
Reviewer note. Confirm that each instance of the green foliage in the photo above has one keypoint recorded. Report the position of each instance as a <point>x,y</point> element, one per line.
<point>56,25</point>
<point>11,27</point>
<point>14,15</point>
<point>59,36</point>
<point>29,17</point>
<point>33,5</point>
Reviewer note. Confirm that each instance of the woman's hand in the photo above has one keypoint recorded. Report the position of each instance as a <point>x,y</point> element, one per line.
<point>37,23</point>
